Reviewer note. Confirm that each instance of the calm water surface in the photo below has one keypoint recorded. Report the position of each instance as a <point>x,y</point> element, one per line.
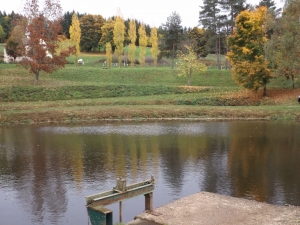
<point>46,172</point>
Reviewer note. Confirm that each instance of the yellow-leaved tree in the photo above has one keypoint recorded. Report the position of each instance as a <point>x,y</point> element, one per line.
<point>132,38</point>
<point>154,44</point>
<point>63,44</point>
<point>142,43</point>
<point>75,35</point>
<point>188,64</point>
<point>108,50</point>
<point>119,32</point>
<point>247,55</point>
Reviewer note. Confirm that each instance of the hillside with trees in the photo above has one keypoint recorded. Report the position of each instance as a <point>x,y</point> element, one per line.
<point>239,55</point>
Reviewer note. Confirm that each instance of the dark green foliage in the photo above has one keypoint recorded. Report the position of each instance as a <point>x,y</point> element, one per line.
<point>282,50</point>
<point>199,41</point>
<point>8,21</point>
<point>67,22</point>
<point>90,26</point>
<point>268,3</point>
<point>217,101</point>
<point>172,32</point>
<point>210,18</point>
<point>83,92</point>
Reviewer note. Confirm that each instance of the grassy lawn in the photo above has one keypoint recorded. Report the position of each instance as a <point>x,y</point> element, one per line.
<point>1,52</point>
<point>90,93</point>
<point>1,48</point>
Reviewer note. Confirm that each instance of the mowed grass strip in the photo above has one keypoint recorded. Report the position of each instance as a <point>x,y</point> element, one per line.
<point>93,114</point>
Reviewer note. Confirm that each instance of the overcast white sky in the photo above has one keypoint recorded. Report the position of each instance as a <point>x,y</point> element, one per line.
<point>152,12</point>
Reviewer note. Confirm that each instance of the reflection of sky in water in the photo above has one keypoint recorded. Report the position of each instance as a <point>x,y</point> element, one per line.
<point>154,129</point>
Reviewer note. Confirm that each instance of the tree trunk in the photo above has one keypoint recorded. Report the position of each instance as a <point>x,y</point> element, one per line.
<point>219,51</point>
<point>36,76</point>
<point>293,81</point>
<point>265,89</point>
<point>76,61</point>
<point>227,50</point>
<point>173,53</point>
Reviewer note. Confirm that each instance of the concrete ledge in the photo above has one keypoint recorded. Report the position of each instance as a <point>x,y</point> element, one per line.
<point>209,208</point>
<point>142,222</point>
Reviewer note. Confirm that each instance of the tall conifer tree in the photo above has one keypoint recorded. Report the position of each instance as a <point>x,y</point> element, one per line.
<point>210,19</point>
<point>172,35</point>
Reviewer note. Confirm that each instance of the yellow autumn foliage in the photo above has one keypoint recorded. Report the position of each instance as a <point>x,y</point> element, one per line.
<point>154,44</point>
<point>249,66</point>
<point>142,43</point>
<point>119,32</point>
<point>75,35</point>
<point>108,50</point>
<point>189,64</point>
<point>132,38</point>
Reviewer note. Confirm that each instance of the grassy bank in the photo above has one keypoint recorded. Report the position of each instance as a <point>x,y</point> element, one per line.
<point>90,93</point>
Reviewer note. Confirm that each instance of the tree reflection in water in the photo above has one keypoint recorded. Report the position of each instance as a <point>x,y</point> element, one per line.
<point>45,172</point>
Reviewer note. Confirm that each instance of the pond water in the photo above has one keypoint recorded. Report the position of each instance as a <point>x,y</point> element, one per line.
<point>46,172</point>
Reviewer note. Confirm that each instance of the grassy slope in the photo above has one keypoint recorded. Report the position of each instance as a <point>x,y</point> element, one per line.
<point>1,48</point>
<point>90,93</point>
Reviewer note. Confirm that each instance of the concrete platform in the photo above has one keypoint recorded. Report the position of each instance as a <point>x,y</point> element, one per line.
<point>209,208</point>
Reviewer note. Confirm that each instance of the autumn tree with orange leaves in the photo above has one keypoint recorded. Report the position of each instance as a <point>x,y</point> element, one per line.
<point>42,38</point>
<point>247,56</point>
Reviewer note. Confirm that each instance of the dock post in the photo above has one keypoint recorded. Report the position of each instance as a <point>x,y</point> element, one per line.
<point>149,202</point>
<point>120,213</point>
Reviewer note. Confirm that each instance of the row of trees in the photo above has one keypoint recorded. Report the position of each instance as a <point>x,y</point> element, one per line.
<point>115,41</point>
<point>97,31</point>
<point>258,41</point>
<point>37,37</point>
<point>119,38</point>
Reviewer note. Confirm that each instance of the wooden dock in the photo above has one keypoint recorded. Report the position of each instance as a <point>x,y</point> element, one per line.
<point>210,208</point>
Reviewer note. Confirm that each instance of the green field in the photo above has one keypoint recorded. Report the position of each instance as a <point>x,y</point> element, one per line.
<point>90,93</point>
<point>1,52</point>
<point>1,48</point>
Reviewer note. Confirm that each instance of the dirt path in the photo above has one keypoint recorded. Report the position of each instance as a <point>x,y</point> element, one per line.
<point>209,208</point>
